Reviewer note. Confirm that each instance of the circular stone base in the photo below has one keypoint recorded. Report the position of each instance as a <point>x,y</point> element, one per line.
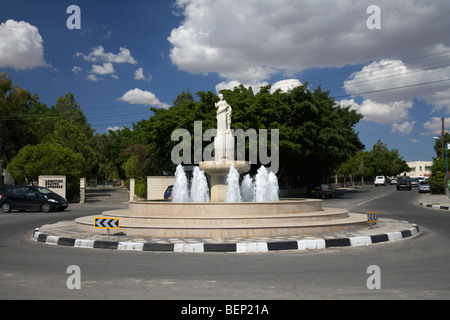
<point>227,220</point>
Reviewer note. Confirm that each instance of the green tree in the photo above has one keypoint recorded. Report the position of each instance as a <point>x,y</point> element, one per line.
<point>313,130</point>
<point>46,159</point>
<point>113,152</point>
<point>183,97</point>
<point>354,166</point>
<point>139,163</point>
<point>15,129</point>
<point>378,161</point>
<point>68,109</point>
<point>104,146</point>
<point>439,168</point>
<point>156,132</point>
<point>437,179</point>
<point>70,136</point>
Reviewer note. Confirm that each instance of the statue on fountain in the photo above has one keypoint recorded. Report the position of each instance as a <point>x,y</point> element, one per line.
<point>223,116</point>
<point>224,156</point>
<point>224,141</point>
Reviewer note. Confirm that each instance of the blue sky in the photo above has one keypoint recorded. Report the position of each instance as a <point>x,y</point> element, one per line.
<point>392,65</point>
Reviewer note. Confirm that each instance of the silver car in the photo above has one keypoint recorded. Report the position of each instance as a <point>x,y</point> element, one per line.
<point>424,186</point>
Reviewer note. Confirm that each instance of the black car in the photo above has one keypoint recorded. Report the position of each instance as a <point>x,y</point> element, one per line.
<point>31,198</point>
<point>320,191</point>
<point>404,182</point>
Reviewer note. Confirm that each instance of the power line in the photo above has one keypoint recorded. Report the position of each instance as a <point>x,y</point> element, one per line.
<point>423,65</point>
<point>389,89</point>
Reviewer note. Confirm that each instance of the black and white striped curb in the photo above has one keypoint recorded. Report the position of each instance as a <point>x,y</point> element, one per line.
<point>434,206</point>
<point>308,244</point>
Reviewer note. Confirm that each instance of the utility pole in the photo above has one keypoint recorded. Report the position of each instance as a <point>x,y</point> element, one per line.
<point>442,139</point>
<point>1,164</point>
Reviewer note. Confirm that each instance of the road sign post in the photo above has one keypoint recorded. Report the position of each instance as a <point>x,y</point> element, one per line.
<point>372,218</point>
<point>106,223</point>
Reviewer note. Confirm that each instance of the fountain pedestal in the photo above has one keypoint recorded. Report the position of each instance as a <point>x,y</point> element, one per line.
<point>218,171</point>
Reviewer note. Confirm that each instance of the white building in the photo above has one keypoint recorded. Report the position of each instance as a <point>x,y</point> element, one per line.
<point>419,168</point>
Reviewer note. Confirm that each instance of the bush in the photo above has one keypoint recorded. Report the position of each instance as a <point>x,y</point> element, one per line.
<point>139,187</point>
<point>437,185</point>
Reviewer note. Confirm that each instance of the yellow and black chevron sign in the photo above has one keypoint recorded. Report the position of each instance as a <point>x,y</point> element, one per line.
<point>372,216</point>
<point>107,223</point>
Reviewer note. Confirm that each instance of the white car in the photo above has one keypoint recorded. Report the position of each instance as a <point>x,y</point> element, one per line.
<point>380,181</point>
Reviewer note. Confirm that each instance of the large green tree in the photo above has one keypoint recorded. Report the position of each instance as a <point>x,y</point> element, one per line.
<point>380,161</point>
<point>70,135</point>
<point>315,134</point>
<point>46,159</point>
<point>67,108</point>
<point>439,167</point>
<point>15,124</point>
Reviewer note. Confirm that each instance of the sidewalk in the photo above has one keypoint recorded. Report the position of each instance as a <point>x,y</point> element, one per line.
<point>435,201</point>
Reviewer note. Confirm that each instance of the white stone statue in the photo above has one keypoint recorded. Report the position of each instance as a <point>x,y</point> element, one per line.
<point>223,116</point>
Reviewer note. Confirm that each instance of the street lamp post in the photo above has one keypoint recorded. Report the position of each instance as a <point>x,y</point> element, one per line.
<point>446,163</point>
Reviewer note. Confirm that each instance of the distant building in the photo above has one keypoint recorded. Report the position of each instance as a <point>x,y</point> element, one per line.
<point>419,169</point>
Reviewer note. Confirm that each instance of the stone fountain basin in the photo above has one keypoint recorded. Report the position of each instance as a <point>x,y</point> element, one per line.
<point>226,220</point>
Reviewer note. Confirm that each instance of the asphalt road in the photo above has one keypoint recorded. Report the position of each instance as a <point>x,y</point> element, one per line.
<point>414,268</point>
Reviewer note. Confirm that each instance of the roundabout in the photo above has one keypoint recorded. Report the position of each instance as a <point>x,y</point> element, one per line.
<point>66,233</point>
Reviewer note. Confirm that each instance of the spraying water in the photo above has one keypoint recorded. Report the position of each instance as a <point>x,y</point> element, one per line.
<point>199,187</point>
<point>273,188</point>
<point>266,186</point>
<point>233,190</point>
<point>247,189</point>
<point>180,191</point>
<point>261,183</point>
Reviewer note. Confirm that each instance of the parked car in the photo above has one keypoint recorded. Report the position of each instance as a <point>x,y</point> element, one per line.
<point>31,198</point>
<point>320,191</point>
<point>394,181</point>
<point>404,182</point>
<point>168,193</point>
<point>380,181</point>
<point>424,187</point>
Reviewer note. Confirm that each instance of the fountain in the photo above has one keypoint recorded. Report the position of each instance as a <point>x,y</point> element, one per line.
<point>247,189</point>
<point>199,187</point>
<point>233,189</point>
<point>180,192</point>
<point>251,209</point>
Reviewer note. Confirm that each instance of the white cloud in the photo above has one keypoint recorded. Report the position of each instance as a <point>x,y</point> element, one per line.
<point>230,85</point>
<point>115,128</point>
<point>106,68</point>
<point>421,79</point>
<point>76,69</point>
<point>139,75</point>
<point>98,54</point>
<point>92,77</point>
<point>138,96</point>
<point>21,46</point>
<point>434,126</point>
<point>392,112</point>
<point>285,85</point>
<point>253,40</point>
<point>405,127</point>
